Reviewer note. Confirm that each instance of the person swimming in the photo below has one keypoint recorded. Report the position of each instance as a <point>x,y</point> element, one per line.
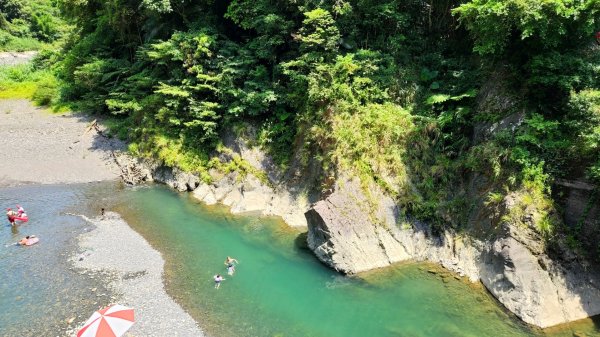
<point>218,279</point>
<point>28,240</point>
<point>229,262</point>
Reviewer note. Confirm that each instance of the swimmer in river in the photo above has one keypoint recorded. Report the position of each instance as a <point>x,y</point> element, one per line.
<point>230,263</point>
<point>28,240</point>
<point>218,279</point>
<point>24,240</point>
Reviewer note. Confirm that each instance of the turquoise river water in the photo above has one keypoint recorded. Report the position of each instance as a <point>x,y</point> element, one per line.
<point>279,289</point>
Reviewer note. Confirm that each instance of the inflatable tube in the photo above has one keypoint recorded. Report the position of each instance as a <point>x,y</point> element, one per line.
<point>24,218</point>
<point>31,241</point>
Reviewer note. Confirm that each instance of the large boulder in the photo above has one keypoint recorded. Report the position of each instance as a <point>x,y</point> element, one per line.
<point>176,178</point>
<point>344,237</point>
<point>352,233</point>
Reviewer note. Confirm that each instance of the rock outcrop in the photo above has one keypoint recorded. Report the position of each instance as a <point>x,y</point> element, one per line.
<point>249,194</point>
<point>542,291</point>
<point>539,290</point>
<point>345,235</point>
<point>243,193</point>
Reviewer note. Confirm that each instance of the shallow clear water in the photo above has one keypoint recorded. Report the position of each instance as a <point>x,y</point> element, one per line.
<point>39,290</point>
<point>279,289</point>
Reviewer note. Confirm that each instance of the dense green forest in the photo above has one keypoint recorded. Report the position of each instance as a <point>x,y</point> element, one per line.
<point>419,97</point>
<point>30,24</point>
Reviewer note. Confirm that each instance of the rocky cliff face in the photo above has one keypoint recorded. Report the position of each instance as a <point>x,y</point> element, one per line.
<point>540,290</point>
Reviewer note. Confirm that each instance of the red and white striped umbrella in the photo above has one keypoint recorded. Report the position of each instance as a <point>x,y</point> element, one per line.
<point>111,321</point>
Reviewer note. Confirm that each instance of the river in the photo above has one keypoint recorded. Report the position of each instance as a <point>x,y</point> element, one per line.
<point>279,289</point>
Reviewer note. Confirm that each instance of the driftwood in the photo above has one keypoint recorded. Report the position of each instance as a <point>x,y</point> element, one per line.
<point>131,174</point>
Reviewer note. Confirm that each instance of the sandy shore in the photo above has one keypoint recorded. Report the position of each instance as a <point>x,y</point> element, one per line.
<point>45,148</point>
<point>136,277</point>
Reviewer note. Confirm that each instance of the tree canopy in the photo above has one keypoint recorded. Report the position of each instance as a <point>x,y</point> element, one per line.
<point>415,85</point>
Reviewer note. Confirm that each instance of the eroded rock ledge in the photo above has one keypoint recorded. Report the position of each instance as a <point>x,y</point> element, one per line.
<point>541,291</point>
<point>242,193</point>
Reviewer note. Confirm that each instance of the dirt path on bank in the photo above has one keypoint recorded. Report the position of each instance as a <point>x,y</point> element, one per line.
<point>15,58</point>
<point>45,148</point>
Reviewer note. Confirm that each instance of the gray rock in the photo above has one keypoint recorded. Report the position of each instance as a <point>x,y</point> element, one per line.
<point>202,191</point>
<point>176,178</point>
<point>232,198</point>
<point>344,236</point>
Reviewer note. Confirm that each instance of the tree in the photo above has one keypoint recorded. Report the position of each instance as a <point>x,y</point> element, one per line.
<point>318,32</point>
<point>550,24</point>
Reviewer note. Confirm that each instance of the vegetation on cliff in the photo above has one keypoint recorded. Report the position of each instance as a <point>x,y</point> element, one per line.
<point>419,97</point>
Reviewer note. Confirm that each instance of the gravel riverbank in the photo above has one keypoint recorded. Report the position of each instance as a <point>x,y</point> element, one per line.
<point>45,148</point>
<point>135,270</point>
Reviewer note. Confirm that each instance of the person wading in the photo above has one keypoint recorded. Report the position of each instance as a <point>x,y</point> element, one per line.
<point>11,215</point>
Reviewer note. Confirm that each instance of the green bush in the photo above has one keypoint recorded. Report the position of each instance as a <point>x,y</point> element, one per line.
<point>12,43</point>
<point>47,90</point>
<point>28,25</point>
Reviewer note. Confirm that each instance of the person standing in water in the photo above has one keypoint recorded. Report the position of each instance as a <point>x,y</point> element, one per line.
<point>218,279</point>
<point>11,215</point>
<point>229,262</point>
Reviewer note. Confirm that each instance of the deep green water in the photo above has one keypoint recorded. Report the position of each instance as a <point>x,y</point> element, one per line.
<point>280,289</point>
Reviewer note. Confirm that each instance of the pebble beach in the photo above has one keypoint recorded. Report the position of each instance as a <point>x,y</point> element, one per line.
<point>63,149</point>
<point>134,271</point>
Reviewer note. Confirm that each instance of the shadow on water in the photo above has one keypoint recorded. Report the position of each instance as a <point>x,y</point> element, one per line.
<point>587,327</point>
<point>596,320</point>
<point>300,242</point>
